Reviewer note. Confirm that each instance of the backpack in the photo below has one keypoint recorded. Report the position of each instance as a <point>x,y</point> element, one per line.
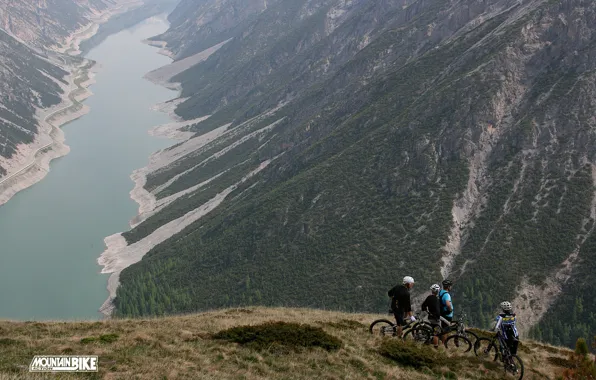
<point>393,302</point>
<point>441,295</point>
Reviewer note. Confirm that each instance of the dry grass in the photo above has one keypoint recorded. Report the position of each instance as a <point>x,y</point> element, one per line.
<point>182,348</point>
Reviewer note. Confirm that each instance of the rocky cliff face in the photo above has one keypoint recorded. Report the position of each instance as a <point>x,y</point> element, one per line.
<point>430,138</point>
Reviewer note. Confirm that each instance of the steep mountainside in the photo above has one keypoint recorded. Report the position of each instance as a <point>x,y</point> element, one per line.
<point>334,146</point>
<point>198,25</point>
<point>33,34</point>
<point>27,81</point>
<point>45,23</point>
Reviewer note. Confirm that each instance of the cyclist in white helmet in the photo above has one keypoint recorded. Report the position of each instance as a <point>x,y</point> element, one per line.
<point>401,304</point>
<point>506,323</point>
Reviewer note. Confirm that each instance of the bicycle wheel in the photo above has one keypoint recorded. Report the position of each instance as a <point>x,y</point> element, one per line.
<point>472,337</point>
<point>485,348</point>
<point>418,334</point>
<point>382,327</point>
<point>514,368</point>
<point>458,343</point>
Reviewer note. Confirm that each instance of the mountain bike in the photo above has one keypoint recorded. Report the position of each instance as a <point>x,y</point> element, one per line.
<point>458,341</point>
<point>497,346</point>
<point>420,331</point>
<point>385,327</point>
<point>462,339</point>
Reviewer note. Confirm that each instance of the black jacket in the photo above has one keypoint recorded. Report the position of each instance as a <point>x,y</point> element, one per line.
<point>432,305</point>
<point>400,299</point>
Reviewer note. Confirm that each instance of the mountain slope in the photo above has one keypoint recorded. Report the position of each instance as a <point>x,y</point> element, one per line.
<point>197,25</point>
<point>29,82</point>
<point>430,138</point>
<point>34,73</point>
<point>45,23</point>
<point>183,348</point>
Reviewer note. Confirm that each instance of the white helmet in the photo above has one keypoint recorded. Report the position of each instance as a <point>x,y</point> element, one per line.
<point>408,280</point>
<point>506,306</point>
<point>435,288</point>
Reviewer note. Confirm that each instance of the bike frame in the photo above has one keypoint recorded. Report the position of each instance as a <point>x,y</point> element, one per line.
<point>502,349</point>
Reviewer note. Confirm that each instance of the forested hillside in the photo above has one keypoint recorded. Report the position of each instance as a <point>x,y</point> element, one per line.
<point>350,143</point>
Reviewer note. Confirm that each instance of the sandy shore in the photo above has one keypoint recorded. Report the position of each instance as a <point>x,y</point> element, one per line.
<point>162,48</point>
<point>31,163</point>
<point>148,204</point>
<point>163,75</point>
<point>119,255</point>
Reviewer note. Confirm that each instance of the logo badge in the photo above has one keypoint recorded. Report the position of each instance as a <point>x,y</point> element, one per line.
<point>64,363</point>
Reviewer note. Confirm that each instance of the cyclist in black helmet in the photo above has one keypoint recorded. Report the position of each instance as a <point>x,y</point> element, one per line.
<point>446,304</point>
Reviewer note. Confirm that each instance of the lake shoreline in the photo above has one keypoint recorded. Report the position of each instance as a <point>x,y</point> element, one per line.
<point>118,254</point>
<point>32,161</point>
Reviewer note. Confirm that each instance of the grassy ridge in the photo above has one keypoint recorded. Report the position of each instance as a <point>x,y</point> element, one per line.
<point>185,347</point>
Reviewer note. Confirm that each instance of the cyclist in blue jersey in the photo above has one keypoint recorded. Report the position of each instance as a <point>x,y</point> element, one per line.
<point>446,305</point>
<point>507,325</point>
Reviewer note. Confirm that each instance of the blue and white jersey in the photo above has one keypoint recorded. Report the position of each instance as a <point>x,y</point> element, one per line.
<point>506,323</point>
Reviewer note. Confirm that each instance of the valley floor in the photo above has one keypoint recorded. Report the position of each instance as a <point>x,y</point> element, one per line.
<point>182,347</point>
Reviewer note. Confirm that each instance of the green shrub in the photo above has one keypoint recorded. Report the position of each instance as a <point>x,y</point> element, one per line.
<point>269,334</point>
<point>582,367</point>
<point>108,338</point>
<point>8,342</point>
<point>410,355</point>
<point>581,347</point>
<point>87,340</point>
